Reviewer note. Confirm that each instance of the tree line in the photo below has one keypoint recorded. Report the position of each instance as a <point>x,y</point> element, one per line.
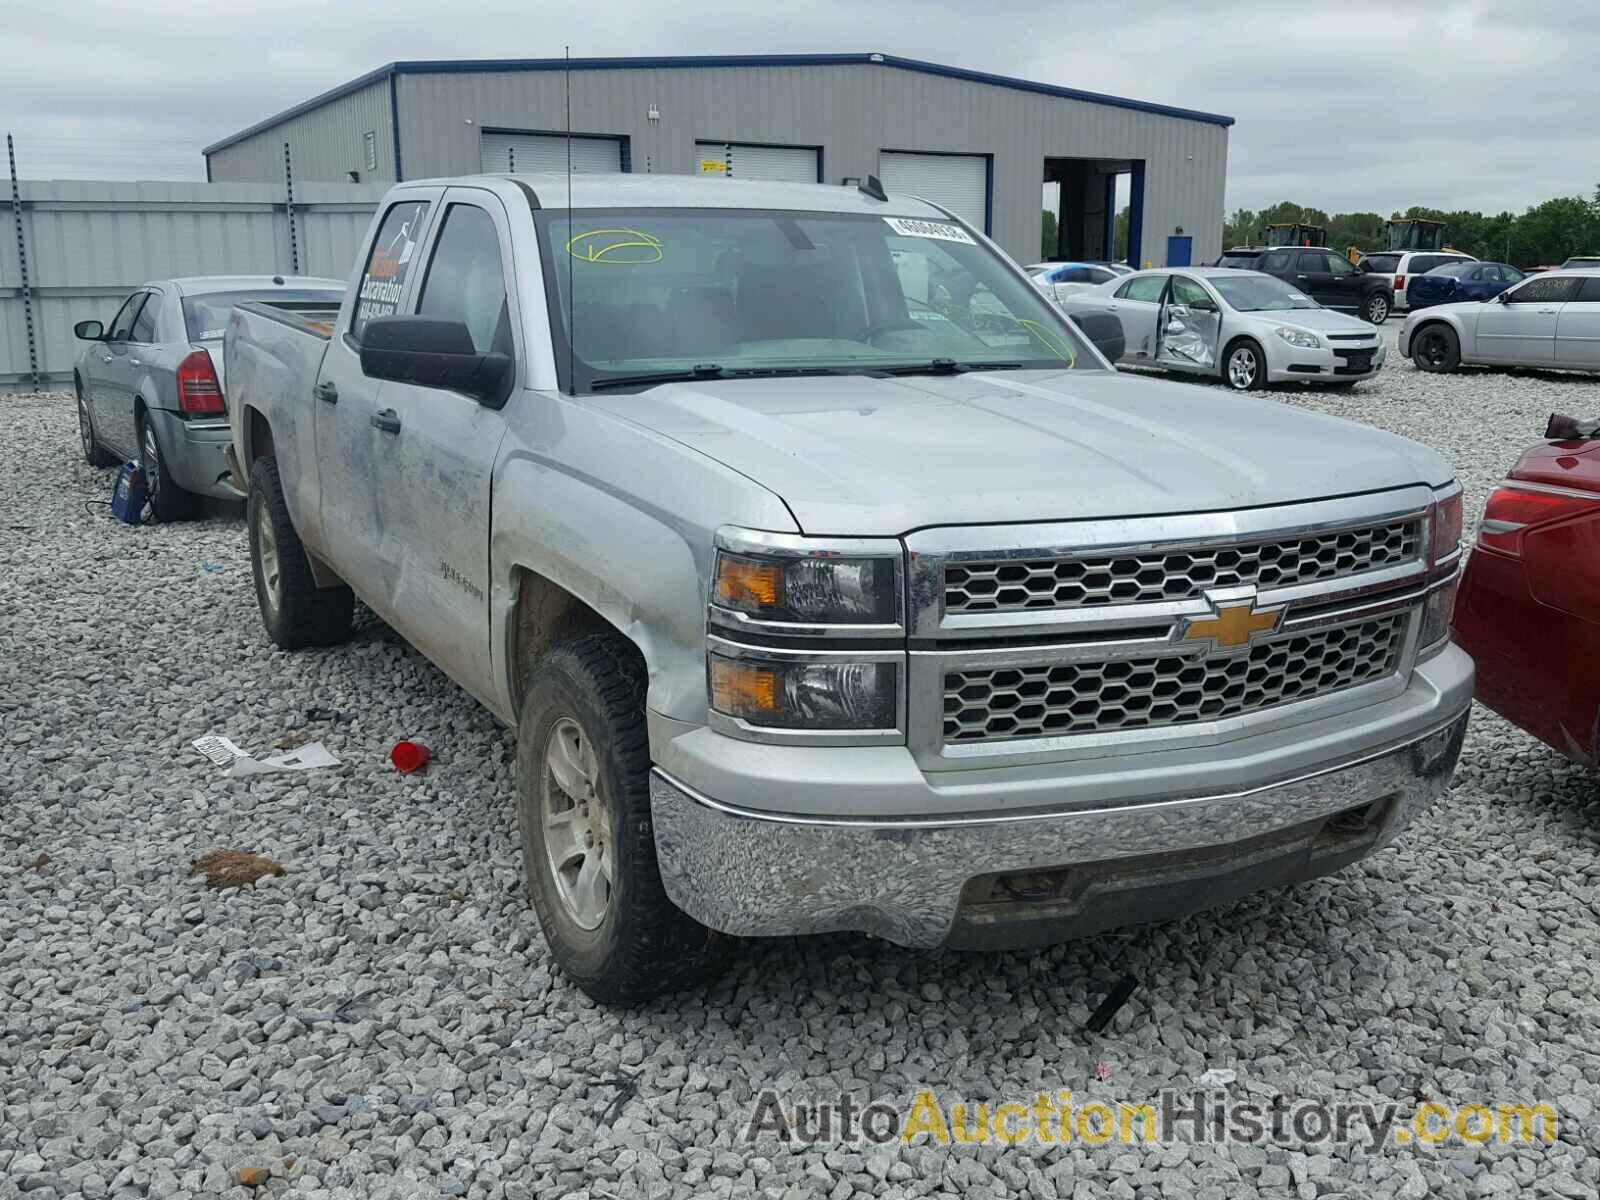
<point>1544,235</point>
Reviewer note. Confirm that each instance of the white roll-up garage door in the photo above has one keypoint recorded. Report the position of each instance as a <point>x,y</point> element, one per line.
<point>737,160</point>
<point>499,152</point>
<point>959,182</point>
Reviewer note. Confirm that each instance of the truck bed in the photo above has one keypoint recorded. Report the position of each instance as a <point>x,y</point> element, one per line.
<point>273,353</point>
<point>308,316</point>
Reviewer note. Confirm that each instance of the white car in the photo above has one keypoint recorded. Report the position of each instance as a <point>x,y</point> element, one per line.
<point>1058,280</point>
<point>1243,327</point>
<point>1548,320</point>
<point>1398,266</point>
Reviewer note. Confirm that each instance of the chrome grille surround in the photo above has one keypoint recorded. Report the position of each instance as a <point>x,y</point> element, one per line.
<point>1025,645</point>
<point>1087,580</point>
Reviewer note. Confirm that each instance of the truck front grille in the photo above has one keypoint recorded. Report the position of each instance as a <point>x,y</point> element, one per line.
<point>996,704</point>
<point>1019,585</point>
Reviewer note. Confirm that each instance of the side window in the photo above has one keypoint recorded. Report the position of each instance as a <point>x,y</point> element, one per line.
<point>1547,289</point>
<point>1277,260</point>
<point>122,323</point>
<point>1101,275</point>
<point>1338,266</point>
<point>1589,290</point>
<point>388,264</point>
<point>1147,288</point>
<point>1075,275</point>
<point>465,281</point>
<point>1313,260</point>
<point>144,326</point>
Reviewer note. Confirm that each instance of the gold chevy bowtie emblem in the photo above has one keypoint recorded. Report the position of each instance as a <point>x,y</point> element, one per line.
<point>1233,626</point>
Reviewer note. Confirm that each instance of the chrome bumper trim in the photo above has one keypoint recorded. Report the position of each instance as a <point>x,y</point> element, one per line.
<point>753,873</point>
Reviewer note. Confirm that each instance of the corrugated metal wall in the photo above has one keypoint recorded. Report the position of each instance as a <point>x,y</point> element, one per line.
<point>853,112</point>
<point>90,242</point>
<point>325,143</point>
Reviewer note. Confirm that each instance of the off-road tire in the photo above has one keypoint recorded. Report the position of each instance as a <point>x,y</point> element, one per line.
<point>1258,378</point>
<point>1447,356</point>
<point>169,501</point>
<point>94,453</point>
<point>644,946</point>
<point>305,615</point>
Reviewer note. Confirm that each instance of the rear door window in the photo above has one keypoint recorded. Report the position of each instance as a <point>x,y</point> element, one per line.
<point>1314,260</point>
<point>1277,260</point>
<point>1381,264</point>
<point>1589,290</point>
<point>383,282</point>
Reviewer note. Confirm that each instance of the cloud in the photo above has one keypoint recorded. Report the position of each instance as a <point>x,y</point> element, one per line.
<point>1368,106</point>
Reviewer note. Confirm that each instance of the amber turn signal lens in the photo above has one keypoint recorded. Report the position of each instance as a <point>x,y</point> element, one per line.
<point>743,689</point>
<point>745,584</point>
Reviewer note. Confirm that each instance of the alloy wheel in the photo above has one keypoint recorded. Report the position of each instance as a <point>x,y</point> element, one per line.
<point>151,464</point>
<point>85,428</point>
<point>577,825</point>
<point>1242,368</point>
<point>267,554</point>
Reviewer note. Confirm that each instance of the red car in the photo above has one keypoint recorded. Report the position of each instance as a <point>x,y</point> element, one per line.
<point>1529,607</point>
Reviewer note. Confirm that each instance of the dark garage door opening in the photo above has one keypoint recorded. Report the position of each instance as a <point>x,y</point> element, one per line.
<point>1087,198</point>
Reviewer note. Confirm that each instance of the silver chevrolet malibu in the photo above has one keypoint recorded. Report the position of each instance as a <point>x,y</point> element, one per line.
<point>150,387</point>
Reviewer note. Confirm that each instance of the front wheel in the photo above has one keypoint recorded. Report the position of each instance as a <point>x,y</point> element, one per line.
<point>588,844</point>
<point>294,609</point>
<point>1244,366</point>
<point>1376,309</point>
<point>1436,348</point>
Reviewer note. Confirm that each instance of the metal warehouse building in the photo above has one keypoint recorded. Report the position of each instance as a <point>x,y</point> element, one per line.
<point>981,145</point>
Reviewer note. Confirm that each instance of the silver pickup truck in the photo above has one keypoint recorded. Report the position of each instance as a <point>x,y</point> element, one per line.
<point>834,581</point>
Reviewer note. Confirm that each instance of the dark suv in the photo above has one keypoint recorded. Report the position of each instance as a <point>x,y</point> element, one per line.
<point>1329,279</point>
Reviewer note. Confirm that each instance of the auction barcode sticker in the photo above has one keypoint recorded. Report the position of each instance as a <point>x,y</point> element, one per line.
<point>942,231</point>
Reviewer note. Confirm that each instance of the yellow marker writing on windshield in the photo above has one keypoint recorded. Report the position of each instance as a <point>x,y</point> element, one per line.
<point>616,247</point>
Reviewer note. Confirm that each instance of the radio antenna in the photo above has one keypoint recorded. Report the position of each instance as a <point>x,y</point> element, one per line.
<point>572,300</point>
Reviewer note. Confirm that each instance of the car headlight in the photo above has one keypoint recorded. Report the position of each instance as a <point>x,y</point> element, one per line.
<point>773,691</point>
<point>1303,338</point>
<point>784,580</point>
<point>1436,611</point>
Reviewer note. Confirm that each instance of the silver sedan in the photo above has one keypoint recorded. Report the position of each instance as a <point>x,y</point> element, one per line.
<point>1549,320</point>
<point>150,385</point>
<point>1242,327</point>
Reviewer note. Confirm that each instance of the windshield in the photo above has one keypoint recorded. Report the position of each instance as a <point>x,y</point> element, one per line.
<point>206,316</point>
<point>718,292</point>
<point>1259,293</point>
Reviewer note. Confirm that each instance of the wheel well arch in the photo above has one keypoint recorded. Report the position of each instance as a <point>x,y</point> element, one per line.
<point>546,615</point>
<point>258,441</point>
<point>1432,323</point>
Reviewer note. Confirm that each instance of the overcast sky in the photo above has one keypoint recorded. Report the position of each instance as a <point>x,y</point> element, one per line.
<point>1357,106</point>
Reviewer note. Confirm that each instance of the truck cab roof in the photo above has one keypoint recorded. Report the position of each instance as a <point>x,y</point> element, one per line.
<point>551,191</point>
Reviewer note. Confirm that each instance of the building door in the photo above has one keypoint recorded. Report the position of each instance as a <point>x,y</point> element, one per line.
<point>958,182</point>
<point>743,160</point>
<point>501,151</point>
<point>1180,251</point>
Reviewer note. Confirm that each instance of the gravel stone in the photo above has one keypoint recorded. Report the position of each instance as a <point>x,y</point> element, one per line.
<point>383,1019</point>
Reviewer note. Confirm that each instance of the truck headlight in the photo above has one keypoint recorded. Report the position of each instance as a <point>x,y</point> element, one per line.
<point>1445,523</point>
<point>1303,338</point>
<point>1436,611</point>
<point>784,579</point>
<point>801,693</point>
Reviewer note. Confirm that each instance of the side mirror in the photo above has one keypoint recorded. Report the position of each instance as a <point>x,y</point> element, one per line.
<point>1503,298</point>
<point>435,354</point>
<point>1105,331</point>
<point>89,331</point>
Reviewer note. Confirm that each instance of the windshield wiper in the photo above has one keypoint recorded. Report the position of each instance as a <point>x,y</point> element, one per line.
<point>717,371</point>
<point>949,366</point>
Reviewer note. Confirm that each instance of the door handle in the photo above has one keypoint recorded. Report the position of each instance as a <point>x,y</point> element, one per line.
<point>105,358</point>
<point>327,391</point>
<point>1302,277</point>
<point>387,420</point>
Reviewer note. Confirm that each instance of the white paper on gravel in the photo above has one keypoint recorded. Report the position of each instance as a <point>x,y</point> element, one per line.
<point>240,762</point>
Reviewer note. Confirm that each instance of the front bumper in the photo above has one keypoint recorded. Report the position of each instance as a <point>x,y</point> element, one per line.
<point>1290,364</point>
<point>999,877</point>
<point>196,454</point>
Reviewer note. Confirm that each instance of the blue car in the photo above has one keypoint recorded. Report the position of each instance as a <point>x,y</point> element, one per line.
<point>1461,281</point>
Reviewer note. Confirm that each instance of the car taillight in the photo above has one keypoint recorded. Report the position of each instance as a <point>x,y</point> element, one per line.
<point>1399,283</point>
<point>199,393</point>
<point>1515,508</point>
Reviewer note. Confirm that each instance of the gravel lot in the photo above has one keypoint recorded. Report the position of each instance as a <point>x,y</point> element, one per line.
<point>383,1019</point>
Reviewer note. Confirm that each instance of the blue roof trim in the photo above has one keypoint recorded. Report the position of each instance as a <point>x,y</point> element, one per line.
<point>474,65</point>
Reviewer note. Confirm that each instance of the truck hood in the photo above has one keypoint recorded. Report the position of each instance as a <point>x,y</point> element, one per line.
<point>862,456</point>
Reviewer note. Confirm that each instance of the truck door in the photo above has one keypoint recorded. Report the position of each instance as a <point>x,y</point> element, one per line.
<point>1191,321</point>
<point>436,458</point>
<point>354,504</point>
